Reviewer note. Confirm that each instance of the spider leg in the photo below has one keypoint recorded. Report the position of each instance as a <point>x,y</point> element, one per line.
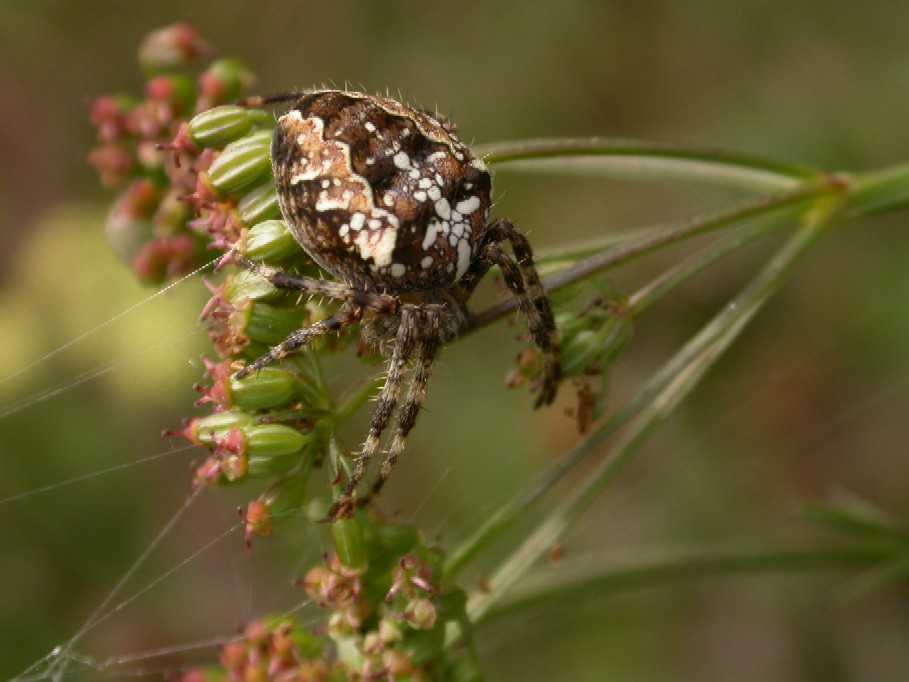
<point>382,304</point>
<point>263,100</point>
<point>522,280</point>
<point>405,341</point>
<point>430,344</point>
<point>345,317</point>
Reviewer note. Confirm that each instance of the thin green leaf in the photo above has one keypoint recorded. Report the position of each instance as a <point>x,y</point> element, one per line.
<point>636,160</point>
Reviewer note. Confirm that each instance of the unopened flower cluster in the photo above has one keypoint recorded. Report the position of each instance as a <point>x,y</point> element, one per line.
<point>196,184</point>
<point>389,619</point>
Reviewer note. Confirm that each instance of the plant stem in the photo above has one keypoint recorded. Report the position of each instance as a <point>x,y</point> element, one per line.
<point>662,394</point>
<point>495,525</point>
<point>633,159</point>
<point>785,205</point>
<point>879,191</point>
<point>612,574</point>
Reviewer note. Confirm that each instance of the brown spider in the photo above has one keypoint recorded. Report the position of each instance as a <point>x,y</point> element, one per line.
<point>385,198</point>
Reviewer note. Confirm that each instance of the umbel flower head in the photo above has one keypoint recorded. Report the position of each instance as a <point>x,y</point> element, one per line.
<point>193,176</point>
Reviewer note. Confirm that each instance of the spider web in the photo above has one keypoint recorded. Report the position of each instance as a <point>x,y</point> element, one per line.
<point>146,578</point>
<point>137,589</point>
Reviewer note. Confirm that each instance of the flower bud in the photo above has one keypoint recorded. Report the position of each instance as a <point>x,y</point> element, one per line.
<point>269,241</point>
<point>245,286</point>
<point>165,257</point>
<point>109,116</point>
<point>223,81</point>
<point>267,441</point>
<point>268,387</point>
<point>113,162</point>
<point>263,323</point>
<point>347,536</point>
<point>218,127</point>
<point>260,204</point>
<point>173,95</point>
<point>570,323</point>
<point>233,655</point>
<point>170,47</point>
<point>205,430</point>
<point>420,614</point>
<point>172,214</point>
<point>580,351</point>
<point>129,226</point>
<point>241,164</point>
<point>257,520</point>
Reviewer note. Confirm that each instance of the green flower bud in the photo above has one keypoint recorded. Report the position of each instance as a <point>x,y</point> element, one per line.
<point>347,535</point>
<point>246,286</point>
<point>619,334</point>
<point>260,204</point>
<point>580,351</point>
<point>273,449</point>
<point>270,241</point>
<point>241,164</point>
<point>270,325</point>
<point>268,387</point>
<point>214,427</point>
<point>220,126</point>
<point>272,440</point>
<point>224,80</point>
<point>420,614</point>
<point>570,323</point>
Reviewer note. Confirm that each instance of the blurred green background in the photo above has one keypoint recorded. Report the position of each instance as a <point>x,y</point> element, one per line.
<point>813,399</point>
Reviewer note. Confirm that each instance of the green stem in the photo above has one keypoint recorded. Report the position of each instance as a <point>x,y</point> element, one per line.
<point>782,206</point>
<point>613,574</point>
<point>879,191</point>
<point>647,295</point>
<point>663,394</point>
<point>513,509</point>
<point>633,159</point>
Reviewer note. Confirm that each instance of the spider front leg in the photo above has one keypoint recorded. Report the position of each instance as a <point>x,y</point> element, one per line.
<point>521,278</point>
<point>405,341</point>
<point>382,304</point>
<point>356,301</point>
<point>348,315</point>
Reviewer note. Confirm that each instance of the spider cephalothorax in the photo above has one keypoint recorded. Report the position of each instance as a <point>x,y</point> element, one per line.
<point>385,198</point>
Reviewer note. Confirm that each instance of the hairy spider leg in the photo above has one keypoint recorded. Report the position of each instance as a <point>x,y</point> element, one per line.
<point>429,345</point>
<point>262,100</point>
<point>383,304</point>
<point>405,342</point>
<point>346,316</point>
<point>521,278</point>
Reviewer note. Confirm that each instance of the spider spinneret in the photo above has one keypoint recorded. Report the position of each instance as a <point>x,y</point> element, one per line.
<point>387,199</point>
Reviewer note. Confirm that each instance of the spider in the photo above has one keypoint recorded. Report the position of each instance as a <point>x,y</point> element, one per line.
<point>387,200</point>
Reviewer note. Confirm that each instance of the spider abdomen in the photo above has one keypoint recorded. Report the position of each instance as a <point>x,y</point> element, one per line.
<point>383,196</point>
